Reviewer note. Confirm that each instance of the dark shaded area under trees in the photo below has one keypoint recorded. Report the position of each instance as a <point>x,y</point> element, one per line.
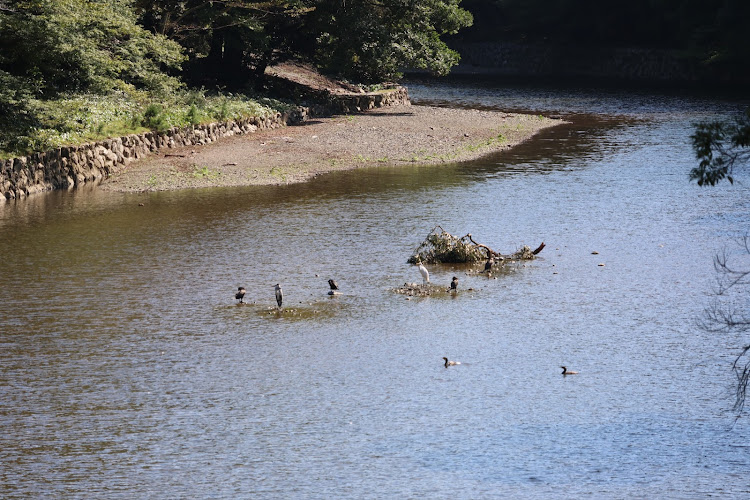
<point>711,32</point>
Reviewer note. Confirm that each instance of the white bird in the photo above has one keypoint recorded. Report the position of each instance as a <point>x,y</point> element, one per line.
<point>566,372</point>
<point>450,363</point>
<point>424,272</point>
<point>279,295</point>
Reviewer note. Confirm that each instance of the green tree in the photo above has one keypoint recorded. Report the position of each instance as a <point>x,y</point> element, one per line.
<point>228,42</point>
<point>232,41</point>
<point>372,40</point>
<point>83,46</point>
<point>56,48</point>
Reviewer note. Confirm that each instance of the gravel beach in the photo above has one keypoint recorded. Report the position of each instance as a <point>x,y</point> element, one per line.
<point>383,136</point>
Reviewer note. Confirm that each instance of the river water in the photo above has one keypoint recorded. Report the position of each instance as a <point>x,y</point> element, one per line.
<point>128,371</point>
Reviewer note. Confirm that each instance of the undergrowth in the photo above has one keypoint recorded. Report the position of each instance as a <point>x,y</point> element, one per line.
<point>79,118</point>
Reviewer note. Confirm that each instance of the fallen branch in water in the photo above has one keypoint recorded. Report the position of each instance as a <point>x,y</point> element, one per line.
<point>443,247</point>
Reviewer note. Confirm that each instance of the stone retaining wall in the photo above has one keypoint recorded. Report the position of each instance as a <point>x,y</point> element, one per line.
<point>74,166</point>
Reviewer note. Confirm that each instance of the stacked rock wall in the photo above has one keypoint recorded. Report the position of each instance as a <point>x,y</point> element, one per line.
<point>74,166</point>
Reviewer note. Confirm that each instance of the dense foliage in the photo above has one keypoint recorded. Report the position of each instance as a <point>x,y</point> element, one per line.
<point>51,51</point>
<point>362,40</point>
<point>83,46</point>
<point>371,41</point>
<point>228,42</point>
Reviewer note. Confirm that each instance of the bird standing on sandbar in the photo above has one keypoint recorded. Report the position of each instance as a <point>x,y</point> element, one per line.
<point>279,295</point>
<point>488,265</point>
<point>454,284</point>
<point>240,295</point>
<point>424,272</point>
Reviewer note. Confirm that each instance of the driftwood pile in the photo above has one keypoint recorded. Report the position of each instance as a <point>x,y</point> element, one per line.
<point>441,247</point>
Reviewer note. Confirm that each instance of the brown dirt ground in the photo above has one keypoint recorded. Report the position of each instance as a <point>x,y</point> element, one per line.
<point>307,76</point>
<point>384,136</point>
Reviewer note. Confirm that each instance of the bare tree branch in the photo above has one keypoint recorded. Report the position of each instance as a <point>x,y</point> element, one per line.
<point>729,310</point>
<point>743,375</point>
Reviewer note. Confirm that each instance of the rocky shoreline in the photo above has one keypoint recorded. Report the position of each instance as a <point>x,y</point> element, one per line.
<point>91,163</point>
<point>394,135</point>
<point>342,129</point>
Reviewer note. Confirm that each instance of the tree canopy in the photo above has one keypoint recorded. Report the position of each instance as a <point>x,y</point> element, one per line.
<point>51,46</point>
<point>83,45</point>
<point>361,40</point>
<point>374,39</point>
<point>63,47</point>
<point>228,42</point>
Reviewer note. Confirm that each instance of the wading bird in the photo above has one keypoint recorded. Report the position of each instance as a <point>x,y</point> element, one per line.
<point>566,372</point>
<point>424,272</point>
<point>454,284</point>
<point>450,363</point>
<point>488,265</point>
<point>240,295</point>
<point>279,295</point>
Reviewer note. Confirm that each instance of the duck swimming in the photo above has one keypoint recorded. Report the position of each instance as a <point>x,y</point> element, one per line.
<point>566,372</point>
<point>450,363</point>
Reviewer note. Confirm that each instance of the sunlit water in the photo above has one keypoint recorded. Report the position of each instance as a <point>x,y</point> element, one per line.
<point>127,370</point>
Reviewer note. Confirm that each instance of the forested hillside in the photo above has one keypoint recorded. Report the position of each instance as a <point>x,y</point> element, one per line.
<point>712,32</point>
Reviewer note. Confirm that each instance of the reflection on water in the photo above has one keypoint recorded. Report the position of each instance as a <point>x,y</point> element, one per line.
<point>129,371</point>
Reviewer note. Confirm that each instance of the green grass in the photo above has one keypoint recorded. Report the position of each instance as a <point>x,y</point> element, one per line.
<point>277,172</point>
<point>77,119</point>
<point>205,172</point>
<point>492,141</point>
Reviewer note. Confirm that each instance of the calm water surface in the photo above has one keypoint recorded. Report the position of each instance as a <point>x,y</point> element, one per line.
<point>127,371</point>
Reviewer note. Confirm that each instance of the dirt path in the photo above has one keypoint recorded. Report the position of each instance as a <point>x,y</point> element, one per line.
<point>384,136</point>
